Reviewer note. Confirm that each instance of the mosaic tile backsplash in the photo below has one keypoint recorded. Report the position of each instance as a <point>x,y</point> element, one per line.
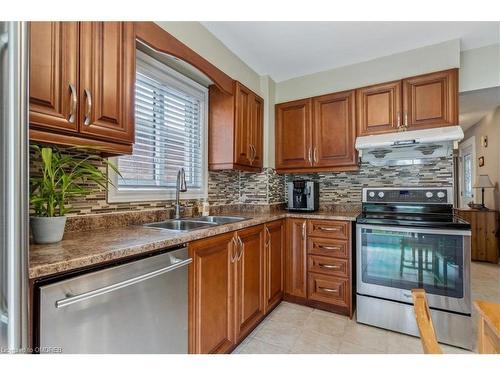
<point>224,188</point>
<point>346,187</point>
<point>230,188</point>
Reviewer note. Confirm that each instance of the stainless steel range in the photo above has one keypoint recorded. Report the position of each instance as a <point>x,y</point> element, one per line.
<point>408,238</point>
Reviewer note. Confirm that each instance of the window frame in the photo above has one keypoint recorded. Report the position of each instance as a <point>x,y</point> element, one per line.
<point>166,74</point>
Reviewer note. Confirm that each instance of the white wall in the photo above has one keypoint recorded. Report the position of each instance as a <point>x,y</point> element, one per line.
<point>480,68</point>
<point>488,126</point>
<point>406,64</point>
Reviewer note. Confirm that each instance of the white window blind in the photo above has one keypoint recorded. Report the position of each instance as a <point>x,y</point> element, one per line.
<point>169,131</point>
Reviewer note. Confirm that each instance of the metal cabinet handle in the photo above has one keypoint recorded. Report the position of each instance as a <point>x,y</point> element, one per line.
<point>70,300</point>
<point>329,247</point>
<point>242,248</point>
<point>309,155</point>
<point>88,95</point>
<point>328,290</point>
<point>254,153</point>
<point>233,250</point>
<point>74,102</point>
<point>406,119</point>
<point>329,266</point>
<point>303,230</point>
<point>315,155</point>
<point>399,120</point>
<point>268,235</point>
<point>325,229</point>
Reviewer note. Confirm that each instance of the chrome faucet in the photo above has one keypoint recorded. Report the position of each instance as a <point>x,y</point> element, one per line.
<point>181,186</point>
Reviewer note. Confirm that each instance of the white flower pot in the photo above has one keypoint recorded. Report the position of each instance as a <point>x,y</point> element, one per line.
<point>48,229</point>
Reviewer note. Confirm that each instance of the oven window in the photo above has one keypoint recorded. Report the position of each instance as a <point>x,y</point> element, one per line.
<point>407,260</point>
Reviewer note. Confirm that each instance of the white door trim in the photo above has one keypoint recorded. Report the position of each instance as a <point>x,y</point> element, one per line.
<point>462,147</point>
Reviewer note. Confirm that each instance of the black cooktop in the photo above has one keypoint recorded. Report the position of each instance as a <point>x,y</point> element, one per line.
<point>437,221</point>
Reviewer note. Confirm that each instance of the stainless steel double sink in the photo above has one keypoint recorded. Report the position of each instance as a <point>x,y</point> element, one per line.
<point>190,224</point>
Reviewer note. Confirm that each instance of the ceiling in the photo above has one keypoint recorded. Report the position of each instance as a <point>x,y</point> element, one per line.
<point>474,105</point>
<point>284,50</point>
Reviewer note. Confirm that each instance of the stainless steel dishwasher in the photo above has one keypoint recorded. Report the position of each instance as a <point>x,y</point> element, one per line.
<point>136,307</point>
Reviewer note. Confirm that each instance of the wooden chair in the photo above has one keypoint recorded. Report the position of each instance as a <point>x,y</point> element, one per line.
<point>424,322</point>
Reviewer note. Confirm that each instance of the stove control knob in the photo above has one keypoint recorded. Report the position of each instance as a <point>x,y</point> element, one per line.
<point>429,194</point>
<point>441,194</point>
<point>381,194</point>
<point>371,194</point>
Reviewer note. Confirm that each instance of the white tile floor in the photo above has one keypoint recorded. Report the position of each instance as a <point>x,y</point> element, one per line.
<point>292,328</point>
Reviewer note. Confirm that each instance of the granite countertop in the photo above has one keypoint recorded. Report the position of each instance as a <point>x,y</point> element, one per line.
<point>82,249</point>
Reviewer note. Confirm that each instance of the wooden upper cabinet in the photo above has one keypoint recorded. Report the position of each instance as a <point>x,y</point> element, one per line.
<point>53,69</point>
<point>275,246</point>
<point>431,100</point>
<point>82,77</point>
<point>107,80</point>
<point>257,130</point>
<point>211,314</point>
<point>379,108</point>
<point>249,292</point>
<point>235,129</point>
<point>294,134</point>
<point>296,259</point>
<point>242,139</point>
<point>334,131</point>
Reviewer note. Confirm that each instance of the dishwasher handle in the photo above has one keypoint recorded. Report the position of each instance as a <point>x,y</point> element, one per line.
<point>70,300</point>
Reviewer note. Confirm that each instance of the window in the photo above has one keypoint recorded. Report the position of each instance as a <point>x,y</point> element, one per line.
<point>170,128</point>
<point>468,176</point>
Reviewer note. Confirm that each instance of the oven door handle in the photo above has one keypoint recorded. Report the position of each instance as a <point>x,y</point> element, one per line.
<point>392,228</point>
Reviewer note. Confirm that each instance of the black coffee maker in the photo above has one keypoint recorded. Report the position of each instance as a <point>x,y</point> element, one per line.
<point>303,195</point>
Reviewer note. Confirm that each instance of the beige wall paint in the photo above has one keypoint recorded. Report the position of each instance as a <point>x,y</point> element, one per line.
<point>490,127</point>
<point>480,68</point>
<point>406,64</point>
<point>198,38</point>
<point>268,88</point>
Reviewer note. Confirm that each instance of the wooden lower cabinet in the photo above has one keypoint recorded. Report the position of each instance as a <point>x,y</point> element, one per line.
<point>238,277</point>
<point>296,259</point>
<point>249,279</point>
<point>274,256</point>
<point>318,264</point>
<point>234,280</point>
<point>211,283</point>
<point>485,233</point>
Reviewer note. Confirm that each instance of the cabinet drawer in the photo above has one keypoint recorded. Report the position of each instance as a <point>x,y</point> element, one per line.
<point>328,247</point>
<point>328,266</point>
<point>329,289</point>
<point>328,228</point>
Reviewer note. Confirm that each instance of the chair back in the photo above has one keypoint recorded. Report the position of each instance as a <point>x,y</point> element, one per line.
<point>424,323</point>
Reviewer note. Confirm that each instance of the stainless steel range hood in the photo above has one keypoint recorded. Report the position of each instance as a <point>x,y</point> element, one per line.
<point>410,147</point>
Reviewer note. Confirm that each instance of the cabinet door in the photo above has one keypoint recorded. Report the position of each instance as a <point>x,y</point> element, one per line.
<point>294,135</point>
<point>256,130</point>
<point>274,263</point>
<point>242,132</point>
<point>107,79</point>
<point>249,279</point>
<point>334,130</point>
<point>54,75</point>
<point>211,295</point>
<point>296,259</point>
<point>431,100</point>
<point>379,108</point>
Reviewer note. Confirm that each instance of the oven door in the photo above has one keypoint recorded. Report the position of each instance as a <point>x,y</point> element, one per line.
<point>393,260</point>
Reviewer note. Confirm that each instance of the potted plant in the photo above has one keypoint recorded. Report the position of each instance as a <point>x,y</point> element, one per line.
<point>62,178</point>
